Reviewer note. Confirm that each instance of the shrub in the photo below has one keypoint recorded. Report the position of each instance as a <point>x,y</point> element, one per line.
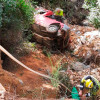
<point>60,79</point>
<point>94,8</point>
<point>17,14</point>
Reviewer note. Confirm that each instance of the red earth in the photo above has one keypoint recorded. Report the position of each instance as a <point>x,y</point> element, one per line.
<point>41,86</point>
<point>35,86</point>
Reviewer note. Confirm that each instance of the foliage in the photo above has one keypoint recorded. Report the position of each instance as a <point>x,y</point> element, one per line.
<point>16,14</point>
<point>60,77</point>
<point>90,3</point>
<point>94,8</point>
<point>30,46</point>
<point>27,35</point>
<point>55,75</point>
<point>46,52</point>
<point>1,10</point>
<point>34,3</point>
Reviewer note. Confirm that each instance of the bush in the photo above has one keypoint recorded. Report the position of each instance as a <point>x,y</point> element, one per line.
<point>17,14</point>
<point>60,78</point>
<point>94,8</point>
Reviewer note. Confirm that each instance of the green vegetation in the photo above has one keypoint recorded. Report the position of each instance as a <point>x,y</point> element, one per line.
<point>59,75</point>
<point>46,52</point>
<point>55,75</point>
<point>17,14</point>
<point>60,79</point>
<point>29,46</point>
<point>94,15</point>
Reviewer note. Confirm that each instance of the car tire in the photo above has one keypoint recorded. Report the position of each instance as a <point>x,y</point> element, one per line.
<point>52,28</point>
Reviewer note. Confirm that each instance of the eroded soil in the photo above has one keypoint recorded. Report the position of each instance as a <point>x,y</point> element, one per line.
<point>31,86</point>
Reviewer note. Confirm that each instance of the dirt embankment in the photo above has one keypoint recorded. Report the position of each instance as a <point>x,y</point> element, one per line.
<point>24,83</point>
<point>27,84</point>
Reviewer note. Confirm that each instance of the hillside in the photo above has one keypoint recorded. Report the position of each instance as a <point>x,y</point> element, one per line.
<point>23,83</point>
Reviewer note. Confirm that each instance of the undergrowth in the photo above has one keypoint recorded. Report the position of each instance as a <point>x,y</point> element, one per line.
<point>15,13</point>
<point>94,11</point>
<point>60,77</point>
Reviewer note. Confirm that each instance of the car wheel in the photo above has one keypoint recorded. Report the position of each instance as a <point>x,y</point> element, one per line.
<point>52,28</point>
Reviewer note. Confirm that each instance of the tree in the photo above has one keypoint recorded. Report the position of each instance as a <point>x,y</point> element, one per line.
<point>15,17</point>
<point>15,14</point>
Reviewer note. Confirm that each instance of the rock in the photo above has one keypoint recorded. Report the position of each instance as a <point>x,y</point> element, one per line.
<point>71,77</point>
<point>85,23</point>
<point>62,71</point>
<point>74,0</point>
<point>23,99</point>
<point>80,73</point>
<point>21,82</point>
<point>95,72</point>
<point>88,66</point>
<point>77,32</point>
<point>78,66</point>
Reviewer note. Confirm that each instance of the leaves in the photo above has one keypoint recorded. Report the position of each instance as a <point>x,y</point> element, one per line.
<point>17,14</point>
<point>1,14</point>
<point>94,8</point>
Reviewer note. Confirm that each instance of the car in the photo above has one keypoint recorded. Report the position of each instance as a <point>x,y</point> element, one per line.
<point>49,31</point>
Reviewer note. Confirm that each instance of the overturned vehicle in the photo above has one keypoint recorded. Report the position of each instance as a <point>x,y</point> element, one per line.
<point>50,32</point>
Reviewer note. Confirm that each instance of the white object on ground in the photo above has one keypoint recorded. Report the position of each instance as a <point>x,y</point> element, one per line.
<point>88,38</point>
<point>2,92</point>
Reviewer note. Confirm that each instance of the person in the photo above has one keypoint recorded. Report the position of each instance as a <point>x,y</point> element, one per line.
<point>91,84</point>
<point>59,16</point>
